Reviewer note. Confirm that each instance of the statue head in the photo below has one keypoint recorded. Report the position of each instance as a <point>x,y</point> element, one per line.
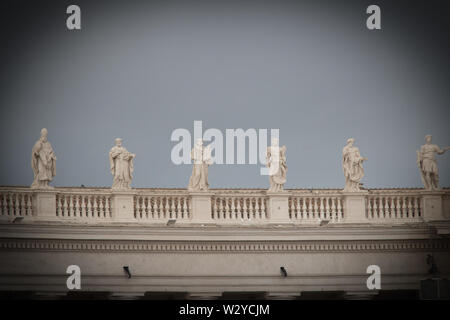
<point>428,138</point>
<point>350,141</point>
<point>118,142</point>
<point>44,134</point>
<point>275,142</point>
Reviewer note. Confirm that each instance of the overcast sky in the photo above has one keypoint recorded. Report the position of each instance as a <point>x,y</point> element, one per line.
<point>139,70</point>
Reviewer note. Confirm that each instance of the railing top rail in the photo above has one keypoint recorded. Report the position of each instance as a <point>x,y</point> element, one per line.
<point>224,191</point>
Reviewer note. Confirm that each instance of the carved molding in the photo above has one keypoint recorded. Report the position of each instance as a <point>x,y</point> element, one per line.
<point>224,246</point>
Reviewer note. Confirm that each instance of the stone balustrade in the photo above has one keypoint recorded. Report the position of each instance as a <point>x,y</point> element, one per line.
<point>225,206</point>
<point>16,203</point>
<point>239,207</point>
<point>310,208</point>
<point>83,205</point>
<point>149,206</point>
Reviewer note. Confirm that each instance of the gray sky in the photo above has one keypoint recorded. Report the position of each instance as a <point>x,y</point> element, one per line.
<point>138,70</point>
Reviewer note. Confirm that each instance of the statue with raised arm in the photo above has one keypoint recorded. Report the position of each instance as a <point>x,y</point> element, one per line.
<point>427,163</point>
<point>43,162</point>
<point>276,162</point>
<point>122,167</point>
<point>352,166</point>
<point>201,157</point>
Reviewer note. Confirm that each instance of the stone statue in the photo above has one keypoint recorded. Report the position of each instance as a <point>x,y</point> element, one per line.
<point>43,162</point>
<point>121,162</point>
<point>201,157</point>
<point>276,162</point>
<point>352,166</point>
<point>428,165</point>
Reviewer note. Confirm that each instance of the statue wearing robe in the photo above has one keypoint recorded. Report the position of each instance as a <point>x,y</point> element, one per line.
<point>276,162</point>
<point>352,166</point>
<point>201,157</point>
<point>121,163</point>
<point>43,162</point>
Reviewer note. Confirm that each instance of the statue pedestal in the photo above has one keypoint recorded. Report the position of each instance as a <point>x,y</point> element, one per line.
<point>355,206</point>
<point>433,205</point>
<point>201,207</point>
<point>278,207</point>
<point>122,205</point>
<point>44,204</point>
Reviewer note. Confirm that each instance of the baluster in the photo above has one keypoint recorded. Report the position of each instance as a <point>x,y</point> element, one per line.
<point>23,205</point>
<point>370,208</point>
<point>264,208</point>
<point>101,206</point>
<point>173,212</point>
<point>292,207</point>
<point>338,209</point>
<point>146,207</point>
<point>253,206</point>
<point>376,207</point>
<point>223,206</point>
<point>318,205</point>
<point>301,208</point>
<point>232,208</point>
<point>159,206</point>
<point>86,206</point>
<point>2,203</point>
<point>215,213</point>
<point>17,200</point>
<point>238,208</point>
<point>416,207</point>
<point>59,209</point>
<point>98,199</point>
<point>295,208</point>
<point>405,207</point>
<point>245,208</point>
<point>140,207</point>
<point>419,207</point>
<point>393,208</point>
<point>328,213</point>
<point>186,207</point>
<point>306,207</point>
<point>152,207</point>
<point>90,206</point>
<point>410,209</point>
<point>73,205</point>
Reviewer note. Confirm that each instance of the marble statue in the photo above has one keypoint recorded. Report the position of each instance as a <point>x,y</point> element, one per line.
<point>276,162</point>
<point>427,163</point>
<point>121,162</point>
<point>43,162</point>
<point>201,157</point>
<point>352,166</point>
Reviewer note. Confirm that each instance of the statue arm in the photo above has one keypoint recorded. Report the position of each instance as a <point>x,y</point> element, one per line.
<point>35,156</point>
<point>442,151</point>
<point>268,157</point>
<point>111,162</point>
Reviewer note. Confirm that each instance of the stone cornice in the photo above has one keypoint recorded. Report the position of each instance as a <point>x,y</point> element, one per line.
<point>141,232</point>
<point>223,246</point>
